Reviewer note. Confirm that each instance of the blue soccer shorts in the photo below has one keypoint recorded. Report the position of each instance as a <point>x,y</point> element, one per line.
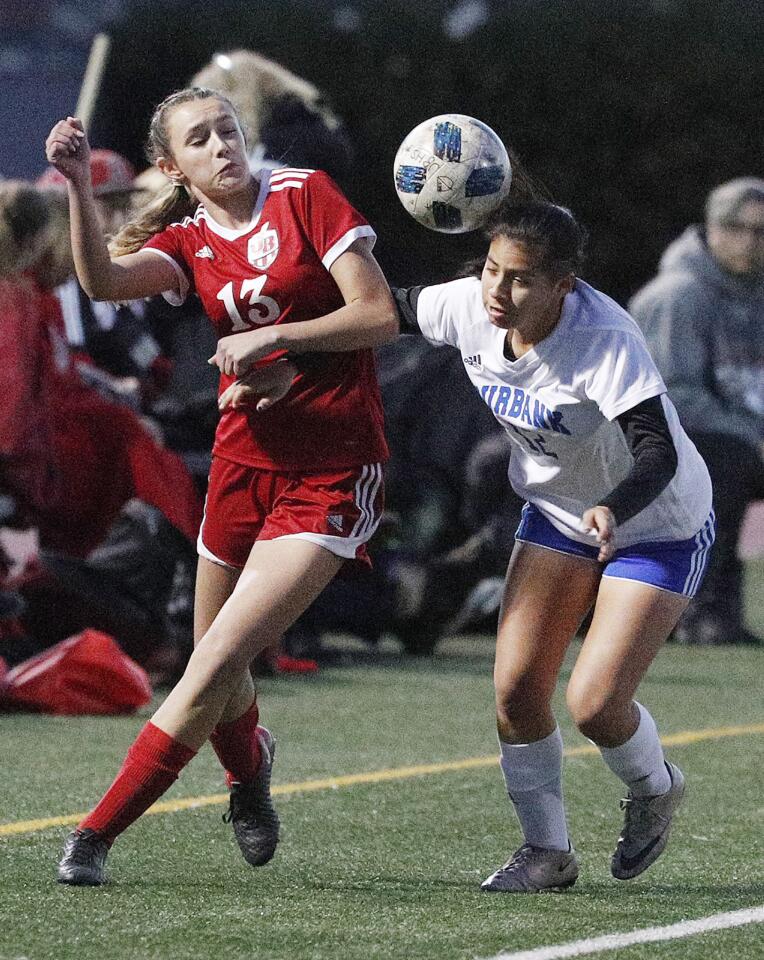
<point>674,565</point>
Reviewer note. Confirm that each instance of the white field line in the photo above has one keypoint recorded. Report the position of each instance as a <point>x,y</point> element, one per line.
<point>614,941</point>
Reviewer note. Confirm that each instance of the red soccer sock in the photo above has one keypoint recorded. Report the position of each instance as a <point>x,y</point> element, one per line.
<point>238,747</point>
<point>152,765</point>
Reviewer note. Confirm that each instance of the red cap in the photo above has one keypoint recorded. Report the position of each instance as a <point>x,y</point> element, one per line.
<point>109,171</point>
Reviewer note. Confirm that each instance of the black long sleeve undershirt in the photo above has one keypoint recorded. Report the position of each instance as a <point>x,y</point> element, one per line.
<point>406,301</point>
<point>644,426</point>
<point>655,460</point>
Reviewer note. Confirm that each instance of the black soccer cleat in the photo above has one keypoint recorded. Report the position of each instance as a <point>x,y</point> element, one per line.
<point>646,827</point>
<point>534,870</point>
<point>83,860</point>
<point>251,812</point>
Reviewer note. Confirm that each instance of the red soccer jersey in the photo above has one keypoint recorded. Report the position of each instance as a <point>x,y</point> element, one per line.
<point>276,270</point>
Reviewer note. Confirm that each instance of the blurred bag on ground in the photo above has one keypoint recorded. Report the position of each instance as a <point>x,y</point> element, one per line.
<point>85,674</point>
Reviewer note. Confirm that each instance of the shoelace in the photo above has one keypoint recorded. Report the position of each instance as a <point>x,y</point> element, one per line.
<point>237,805</point>
<point>638,812</point>
<point>518,860</point>
<point>249,802</point>
<point>83,850</point>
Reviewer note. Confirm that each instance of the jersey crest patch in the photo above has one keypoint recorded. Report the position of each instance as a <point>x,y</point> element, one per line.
<point>263,247</point>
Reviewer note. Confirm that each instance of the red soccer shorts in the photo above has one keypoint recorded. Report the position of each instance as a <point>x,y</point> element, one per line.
<point>340,510</point>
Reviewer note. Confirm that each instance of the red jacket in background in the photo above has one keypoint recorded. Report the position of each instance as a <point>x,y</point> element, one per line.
<point>70,457</point>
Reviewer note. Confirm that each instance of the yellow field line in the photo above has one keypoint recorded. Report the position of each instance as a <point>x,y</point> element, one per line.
<point>374,776</point>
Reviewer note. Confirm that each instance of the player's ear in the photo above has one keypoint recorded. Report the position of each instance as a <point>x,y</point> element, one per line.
<point>169,168</point>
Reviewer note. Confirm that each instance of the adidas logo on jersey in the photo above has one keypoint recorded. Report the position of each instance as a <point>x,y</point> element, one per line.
<point>474,361</point>
<point>335,520</point>
<point>205,253</point>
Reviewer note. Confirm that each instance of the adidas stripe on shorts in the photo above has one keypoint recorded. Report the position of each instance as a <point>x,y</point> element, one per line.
<point>674,565</point>
<point>337,509</point>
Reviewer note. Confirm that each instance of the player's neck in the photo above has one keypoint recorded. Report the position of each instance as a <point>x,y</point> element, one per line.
<point>233,211</point>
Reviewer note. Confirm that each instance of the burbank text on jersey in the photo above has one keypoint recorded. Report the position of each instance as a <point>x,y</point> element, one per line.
<point>514,402</point>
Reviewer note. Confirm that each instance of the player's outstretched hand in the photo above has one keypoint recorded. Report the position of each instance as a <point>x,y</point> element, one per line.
<point>236,354</point>
<point>600,520</point>
<point>67,149</point>
<point>259,389</point>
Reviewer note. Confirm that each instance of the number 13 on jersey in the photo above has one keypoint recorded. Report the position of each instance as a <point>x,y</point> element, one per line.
<point>263,309</point>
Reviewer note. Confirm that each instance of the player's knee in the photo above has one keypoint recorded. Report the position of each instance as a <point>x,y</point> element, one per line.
<point>519,697</point>
<point>215,666</point>
<point>591,708</point>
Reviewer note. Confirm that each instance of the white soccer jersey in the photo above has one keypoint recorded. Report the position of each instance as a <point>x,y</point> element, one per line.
<point>558,403</point>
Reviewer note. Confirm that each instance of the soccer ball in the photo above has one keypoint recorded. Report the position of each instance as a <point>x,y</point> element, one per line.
<point>451,172</point>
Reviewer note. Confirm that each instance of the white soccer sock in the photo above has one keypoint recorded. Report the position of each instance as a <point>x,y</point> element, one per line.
<point>639,762</point>
<point>533,775</point>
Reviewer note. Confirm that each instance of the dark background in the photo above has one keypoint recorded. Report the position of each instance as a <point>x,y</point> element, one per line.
<point>626,111</point>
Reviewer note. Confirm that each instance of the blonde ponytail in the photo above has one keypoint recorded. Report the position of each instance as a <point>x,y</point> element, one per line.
<point>170,205</point>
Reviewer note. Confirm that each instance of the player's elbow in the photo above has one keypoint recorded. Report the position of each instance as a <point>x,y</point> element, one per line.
<point>95,292</point>
<point>376,321</point>
<point>387,324</point>
<point>93,284</point>
<point>99,286</point>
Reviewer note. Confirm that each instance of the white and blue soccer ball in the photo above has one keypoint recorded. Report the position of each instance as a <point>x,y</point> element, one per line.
<point>451,172</point>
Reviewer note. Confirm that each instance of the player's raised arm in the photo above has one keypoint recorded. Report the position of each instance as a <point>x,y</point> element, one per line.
<point>127,278</point>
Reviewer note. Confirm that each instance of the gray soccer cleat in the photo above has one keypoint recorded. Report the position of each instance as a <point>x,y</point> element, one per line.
<point>646,826</point>
<point>83,859</point>
<point>534,870</point>
<point>251,812</point>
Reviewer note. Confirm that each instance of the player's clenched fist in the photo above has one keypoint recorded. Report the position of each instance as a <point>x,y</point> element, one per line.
<point>600,521</point>
<point>67,148</point>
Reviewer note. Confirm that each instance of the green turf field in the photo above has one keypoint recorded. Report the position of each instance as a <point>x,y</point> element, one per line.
<point>390,868</point>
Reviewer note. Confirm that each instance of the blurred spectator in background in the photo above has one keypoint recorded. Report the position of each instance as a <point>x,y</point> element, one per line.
<point>703,316</point>
<point>77,457</point>
<point>122,355</point>
<point>25,438</point>
<point>443,495</point>
<point>70,459</point>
